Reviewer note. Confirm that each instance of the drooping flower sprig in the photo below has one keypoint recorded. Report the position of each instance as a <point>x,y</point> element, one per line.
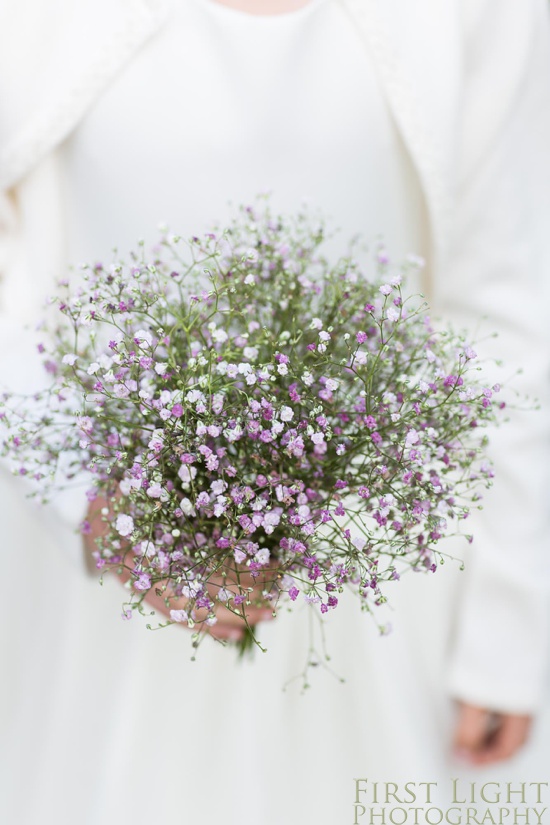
<point>253,413</point>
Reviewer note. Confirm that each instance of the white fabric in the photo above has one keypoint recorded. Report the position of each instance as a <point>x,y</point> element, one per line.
<point>222,105</point>
<point>114,723</point>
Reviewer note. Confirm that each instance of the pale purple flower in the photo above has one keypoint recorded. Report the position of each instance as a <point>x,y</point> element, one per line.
<point>143,338</point>
<point>187,507</point>
<point>262,556</point>
<point>187,473</point>
<point>179,615</point>
<point>143,582</point>
<point>147,548</point>
<point>411,438</point>
<point>217,403</point>
<point>124,525</point>
<point>155,490</point>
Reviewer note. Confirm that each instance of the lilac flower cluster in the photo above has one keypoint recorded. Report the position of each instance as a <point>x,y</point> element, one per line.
<point>256,415</point>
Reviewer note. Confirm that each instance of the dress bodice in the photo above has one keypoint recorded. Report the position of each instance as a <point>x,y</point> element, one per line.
<point>221,105</point>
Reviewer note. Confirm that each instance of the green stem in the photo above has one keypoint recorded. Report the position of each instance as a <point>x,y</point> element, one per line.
<point>245,646</point>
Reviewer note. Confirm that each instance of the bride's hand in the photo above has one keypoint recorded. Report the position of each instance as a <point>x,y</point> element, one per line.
<point>483,737</point>
<point>229,625</point>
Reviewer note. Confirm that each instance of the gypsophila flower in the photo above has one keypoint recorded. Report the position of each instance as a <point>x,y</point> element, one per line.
<point>257,414</point>
<point>124,525</point>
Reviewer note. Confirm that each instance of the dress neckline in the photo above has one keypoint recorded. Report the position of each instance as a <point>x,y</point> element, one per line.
<point>262,19</point>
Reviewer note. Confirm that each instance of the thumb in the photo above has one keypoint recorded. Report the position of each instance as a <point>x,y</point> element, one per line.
<point>471,730</point>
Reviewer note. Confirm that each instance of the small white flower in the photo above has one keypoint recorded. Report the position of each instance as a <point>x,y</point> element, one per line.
<point>411,438</point>
<point>331,384</point>
<point>144,338</point>
<point>282,369</point>
<point>287,414</point>
<point>187,507</point>
<point>148,549</point>
<point>157,440</point>
<point>272,518</point>
<point>93,368</point>
<point>187,473</point>
<point>217,403</point>
<point>324,336</point>
<point>219,335</point>
<point>161,368</point>
<point>251,353</point>
<point>126,485</point>
<point>124,525</point>
<point>155,490</point>
<point>262,556</point>
<point>121,391</point>
<point>70,359</point>
<point>359,542</point>
<point>179,615</point>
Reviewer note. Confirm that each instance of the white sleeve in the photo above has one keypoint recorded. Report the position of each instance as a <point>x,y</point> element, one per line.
<point>498,268</point>
<point>21,371</point>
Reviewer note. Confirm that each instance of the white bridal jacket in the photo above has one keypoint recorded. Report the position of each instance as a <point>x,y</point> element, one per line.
<point>467,83</point>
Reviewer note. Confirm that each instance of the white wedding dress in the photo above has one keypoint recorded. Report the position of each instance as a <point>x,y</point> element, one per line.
<point>105,722</point>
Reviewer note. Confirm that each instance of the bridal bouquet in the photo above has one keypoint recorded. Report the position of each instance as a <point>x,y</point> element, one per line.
<point>253,413</point>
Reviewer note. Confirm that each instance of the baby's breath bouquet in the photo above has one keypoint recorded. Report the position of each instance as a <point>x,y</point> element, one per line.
<point>254,413</point>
